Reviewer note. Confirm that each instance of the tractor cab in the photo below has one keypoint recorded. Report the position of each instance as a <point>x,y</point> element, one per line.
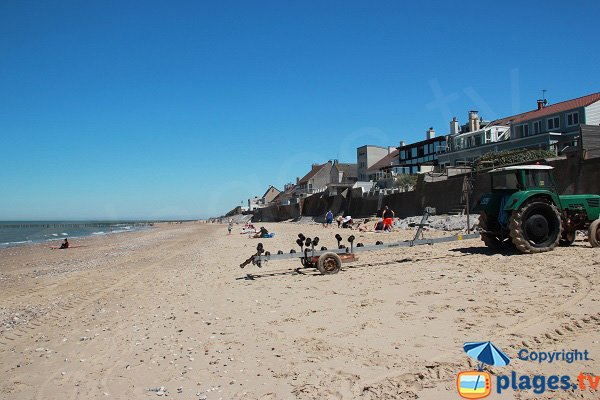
<point>529,177</point>
<point>512,185</point>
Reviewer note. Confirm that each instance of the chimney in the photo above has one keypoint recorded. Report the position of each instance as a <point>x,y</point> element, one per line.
<point>541,104</point>
<point>430,133</point>
<point>454,127</point>
<point>297,180</point>
<point>391,149</point>
<point>473,121</point>
<point>402,143</point>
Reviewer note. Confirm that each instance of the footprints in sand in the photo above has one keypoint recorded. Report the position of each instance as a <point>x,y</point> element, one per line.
<point>567,330</point>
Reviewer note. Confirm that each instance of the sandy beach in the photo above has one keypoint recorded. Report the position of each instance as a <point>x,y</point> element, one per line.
<point>168,313</point>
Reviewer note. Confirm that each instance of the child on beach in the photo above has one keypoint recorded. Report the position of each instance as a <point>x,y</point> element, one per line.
<point>64,245</point>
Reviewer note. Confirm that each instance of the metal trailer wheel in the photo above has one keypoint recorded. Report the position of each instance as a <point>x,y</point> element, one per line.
<point>594,233</point>
<point>329,263</point>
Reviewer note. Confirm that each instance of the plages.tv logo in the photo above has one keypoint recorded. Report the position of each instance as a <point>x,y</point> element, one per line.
<point>478,384</point>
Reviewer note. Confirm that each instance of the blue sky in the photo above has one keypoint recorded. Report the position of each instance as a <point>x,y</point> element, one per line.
<point>182,109</point>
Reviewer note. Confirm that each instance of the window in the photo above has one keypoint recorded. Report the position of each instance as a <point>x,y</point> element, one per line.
<point>522,130</point>
<point>506,181</point>
<point>554,123</point>
<point>538,178</point>
<point>413,152</point>
<point>573,119</point>
<point>403,155</point>
<point>537,127</point>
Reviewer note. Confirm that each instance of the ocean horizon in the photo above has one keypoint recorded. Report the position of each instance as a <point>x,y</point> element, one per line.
<point>18,233</point>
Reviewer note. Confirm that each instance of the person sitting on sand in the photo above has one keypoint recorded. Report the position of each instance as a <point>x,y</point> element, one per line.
<point>347,222</point>
<point>339,220</point>
<point>262,233</point>
<point>64,245</point>
<point>379,226</point>
<point>364,226</point>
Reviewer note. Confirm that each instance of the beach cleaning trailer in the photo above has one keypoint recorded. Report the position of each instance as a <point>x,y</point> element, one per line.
<point>330,261</point>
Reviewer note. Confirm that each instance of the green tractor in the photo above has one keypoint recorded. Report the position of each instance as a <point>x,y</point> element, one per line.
<point>525,210</point>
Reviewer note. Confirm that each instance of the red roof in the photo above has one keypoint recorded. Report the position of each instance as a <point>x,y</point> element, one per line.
<point>549,110</point>
<point>387,161</point>
<point>313,172</point>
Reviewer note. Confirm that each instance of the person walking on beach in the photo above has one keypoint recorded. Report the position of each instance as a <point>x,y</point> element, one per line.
<point>388,219</point>
<point>230,227</point>
<point>64,245</point>
<point>328,219</point>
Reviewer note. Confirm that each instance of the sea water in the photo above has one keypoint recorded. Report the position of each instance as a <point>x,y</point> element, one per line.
<point>14,233</point>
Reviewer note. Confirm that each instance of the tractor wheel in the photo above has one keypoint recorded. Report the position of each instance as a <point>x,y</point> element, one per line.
<point>594,233</point>
<point>536,227</point>
<point>489,239</point>
<point>329,263</point>
<point>567,238</point>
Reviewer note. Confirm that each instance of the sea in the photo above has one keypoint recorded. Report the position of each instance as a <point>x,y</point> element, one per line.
<point>17,233</point>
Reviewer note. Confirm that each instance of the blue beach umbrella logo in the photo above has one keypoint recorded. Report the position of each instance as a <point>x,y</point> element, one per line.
<point>478,384</point>
<point>486,353</point>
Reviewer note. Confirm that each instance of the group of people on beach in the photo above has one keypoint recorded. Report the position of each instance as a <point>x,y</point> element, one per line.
<point>249,228</point>
<point>384,223</point>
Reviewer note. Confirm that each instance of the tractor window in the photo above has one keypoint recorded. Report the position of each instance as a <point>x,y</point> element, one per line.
<point>506,181</point>
<point>538,178</point>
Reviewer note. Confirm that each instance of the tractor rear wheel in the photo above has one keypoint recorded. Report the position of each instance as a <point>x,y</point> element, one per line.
<point>329,263</point>
<point>594,233</point>
<point>536,227</point>
<point>489,239</point>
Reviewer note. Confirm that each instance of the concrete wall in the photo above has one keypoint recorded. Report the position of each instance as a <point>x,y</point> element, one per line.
<point>573,176</point>
<point>276,213</point>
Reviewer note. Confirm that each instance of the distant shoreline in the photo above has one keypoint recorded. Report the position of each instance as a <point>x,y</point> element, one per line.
<point>26,233</point>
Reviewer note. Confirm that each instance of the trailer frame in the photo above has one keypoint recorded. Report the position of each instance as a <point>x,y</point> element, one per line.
<point>322,259</point>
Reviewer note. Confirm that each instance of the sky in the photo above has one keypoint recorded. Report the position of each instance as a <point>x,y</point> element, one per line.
<point>185,109</point>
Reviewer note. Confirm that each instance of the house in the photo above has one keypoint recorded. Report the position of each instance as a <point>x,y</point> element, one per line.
<point>264,200</point>
<point>367,156</point>
<point>554,127</point>
<point>343,173</point>
<point>342,176</point>
<point>323,176</point>
<point>287,196</point>
<point>384,167</point>
<point>315,180</point>
<point>466,143</point>
<point>420,156</point>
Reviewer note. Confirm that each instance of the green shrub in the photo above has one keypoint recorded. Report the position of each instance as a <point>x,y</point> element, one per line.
<point>501,158</point>
<point>405,181</point>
